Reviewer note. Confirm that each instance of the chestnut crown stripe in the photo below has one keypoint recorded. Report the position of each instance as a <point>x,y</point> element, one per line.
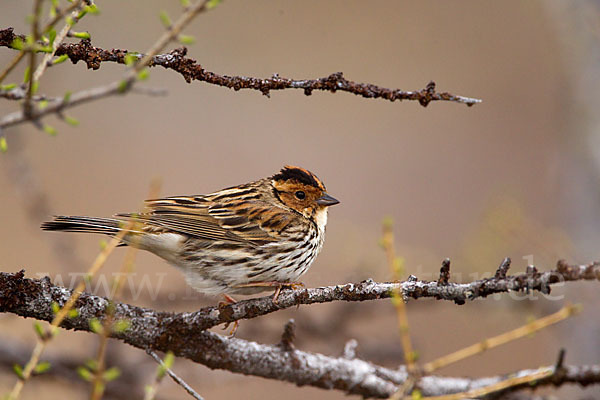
<point>300,175</point>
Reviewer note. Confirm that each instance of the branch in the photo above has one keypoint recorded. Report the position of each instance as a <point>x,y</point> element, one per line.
<point>532,280</point>
<point>369,290</point>
<point>173,376</point>
<point>28,114</point>
<point>177,61</point>
<point>64,366</point>
<point>46,61</point>
<point>59,105</point>
<point>164,331</point>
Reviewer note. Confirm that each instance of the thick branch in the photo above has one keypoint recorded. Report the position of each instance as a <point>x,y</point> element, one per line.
<point>413,288</point>
<point>164,331</point>
<point>532,280</point>
<point>177,61</point>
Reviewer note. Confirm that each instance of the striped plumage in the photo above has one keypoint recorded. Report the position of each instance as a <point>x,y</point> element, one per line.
<point>239,240</point>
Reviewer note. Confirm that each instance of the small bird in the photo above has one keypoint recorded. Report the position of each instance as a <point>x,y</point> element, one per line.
<point>240,240</point>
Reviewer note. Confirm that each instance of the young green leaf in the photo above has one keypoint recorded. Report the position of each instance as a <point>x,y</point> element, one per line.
<point>167,364</point>
<point>26,75</point>
<point>19,371</point>
<point>73,313</point>
<point>9,86</point>
<point>71,121</point>
<point>212,4</point>
<point>60,59</point>
<point>50,130</point>
<point>111,374</point>
<point>81,35</point>
<point>3,144</point>
<point>185,3</point>
<point>39,330</point>
<point>92,9</point>
<point>123,86</point>
<point>121,326</point>
<point>17,44</point>
<point>169,359</point>
<point>186,39</point>
<point>130,59</point>
<point>42,367</point>
<point>92,364</point>
<point>164,18</point>
<point>96,326</point>
<point>85,374</point>
<point>55,307</point>
<point>66,97</point>
<point>52,35</point>
<point>143,74</point>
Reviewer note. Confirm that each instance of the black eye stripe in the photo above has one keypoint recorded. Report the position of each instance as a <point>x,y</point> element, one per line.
<point>300,195</point>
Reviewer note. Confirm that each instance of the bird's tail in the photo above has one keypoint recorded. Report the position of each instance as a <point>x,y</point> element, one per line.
<point>107,226</point>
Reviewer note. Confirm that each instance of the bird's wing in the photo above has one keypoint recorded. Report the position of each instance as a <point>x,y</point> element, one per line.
<point>211,217</point>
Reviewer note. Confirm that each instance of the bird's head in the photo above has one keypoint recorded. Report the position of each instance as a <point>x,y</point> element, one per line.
<point>301,190</point>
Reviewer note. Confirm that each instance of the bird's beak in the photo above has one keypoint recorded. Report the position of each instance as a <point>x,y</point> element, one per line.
<point>327,200</point>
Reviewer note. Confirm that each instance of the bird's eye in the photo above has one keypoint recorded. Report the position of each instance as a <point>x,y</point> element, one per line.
<point>300,195</point>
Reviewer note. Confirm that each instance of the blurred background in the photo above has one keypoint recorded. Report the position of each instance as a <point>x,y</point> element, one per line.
<point>514,176</point>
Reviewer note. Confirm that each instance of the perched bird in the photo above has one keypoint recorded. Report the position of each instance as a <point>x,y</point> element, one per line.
<point>240,240</point>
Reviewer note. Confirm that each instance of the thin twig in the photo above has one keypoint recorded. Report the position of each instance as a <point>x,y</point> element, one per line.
<point>19,93</point>
<point>78,98</point>
<point>398,300</point>
<point>288,335</point>
<point>98,380</point>
<point>171,33</point>
<point>119,87</point>
<point>61,315</point>
<point>62,13</point>
<point>173,376</point>
<point>14,62</point>
<point>152,389</point>
<point>17,59</point>
<point>397,269</point>
<point>64,367</point>
<point>79,4</point>
<point>504,338</point>
<point>497,387</point>
<point>35,35</point>
<point>117,287</point>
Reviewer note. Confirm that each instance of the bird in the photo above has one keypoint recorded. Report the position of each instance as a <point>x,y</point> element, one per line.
<point>243,239</point>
